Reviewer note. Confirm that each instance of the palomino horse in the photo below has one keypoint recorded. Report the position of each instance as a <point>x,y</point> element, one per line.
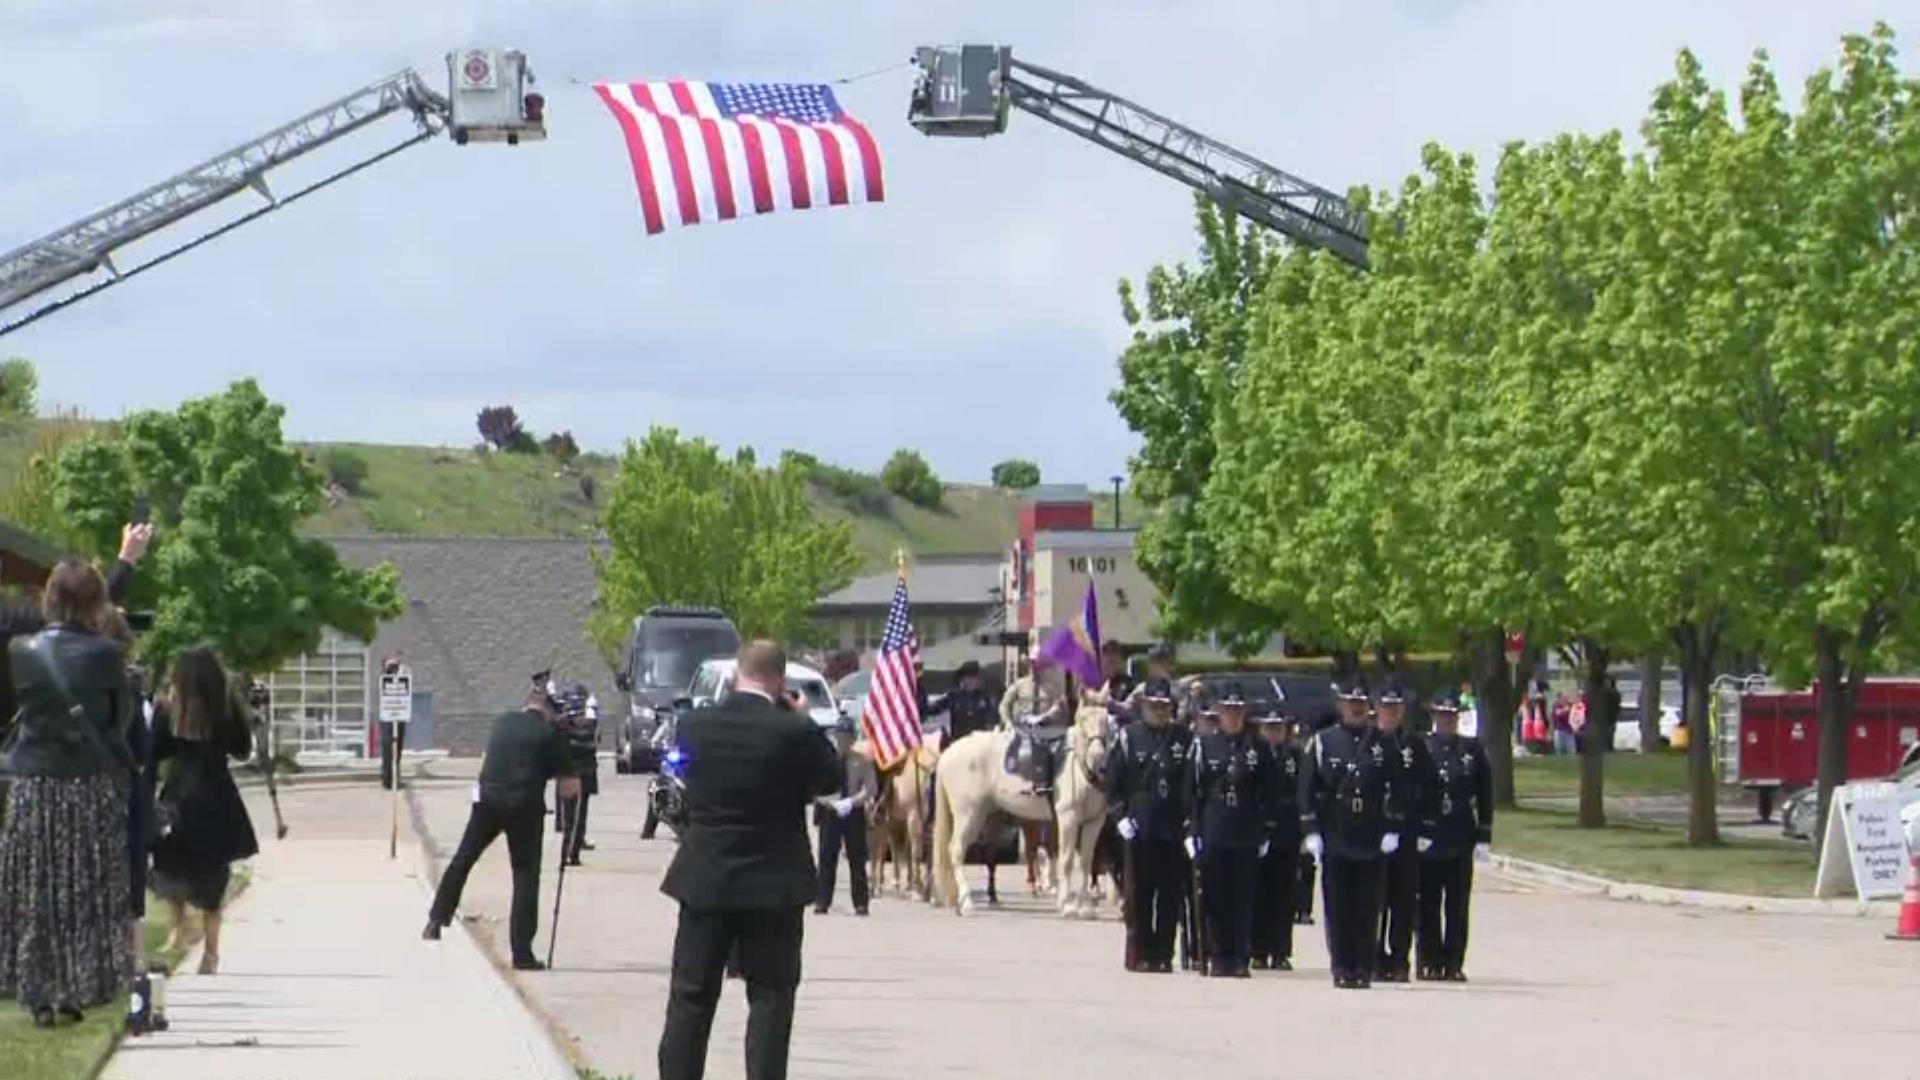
<point>972,783</point>
<point>899,820</point>
<point>1080,807</point>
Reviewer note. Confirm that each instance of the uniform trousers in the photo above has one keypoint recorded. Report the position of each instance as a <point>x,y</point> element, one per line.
<point>485,823</point>
<point>1155,899</point>
<point>570,821</point>
<point>1446,886</point>
<point>1399,908</point>
<point>767,944</point>
<point>1273,902</point>
<point>1230,876</point>
<point>1303,893</point>
<point>1351,889</point>
<point>836,832</point>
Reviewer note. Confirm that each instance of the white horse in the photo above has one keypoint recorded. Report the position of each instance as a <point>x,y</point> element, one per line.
<point>1080,807</point>
<point>972,783</point>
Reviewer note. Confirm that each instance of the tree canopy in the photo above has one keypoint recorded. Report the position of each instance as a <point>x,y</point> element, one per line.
<point>686,525</point>
<point>1016,474</point>
<point>229,566</point>
<point>908,475</point>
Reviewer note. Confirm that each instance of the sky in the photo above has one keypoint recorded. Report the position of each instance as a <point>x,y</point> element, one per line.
<point>973,316</point>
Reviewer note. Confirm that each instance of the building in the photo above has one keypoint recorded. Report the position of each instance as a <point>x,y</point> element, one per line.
<point>26,559</point>
<point>483,615</point>
<point>953,596</point>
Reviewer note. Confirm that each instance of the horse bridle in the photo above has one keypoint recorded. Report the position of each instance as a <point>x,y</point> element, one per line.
<point>1098,783</point>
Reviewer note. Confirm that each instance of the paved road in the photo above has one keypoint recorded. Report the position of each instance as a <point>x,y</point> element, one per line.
<point>324,977</point>
<point>1596,988</point>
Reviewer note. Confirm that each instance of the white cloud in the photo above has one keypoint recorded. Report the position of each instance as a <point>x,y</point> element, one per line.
<point>972,315</point>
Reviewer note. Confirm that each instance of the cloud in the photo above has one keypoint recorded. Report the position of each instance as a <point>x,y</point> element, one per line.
<point>972,315</point>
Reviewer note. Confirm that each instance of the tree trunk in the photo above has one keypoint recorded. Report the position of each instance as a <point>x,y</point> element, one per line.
<point>1697,651</point>
<point>1495,703</point>
<point>1836,708</point>
<point>1346,664</point>
<point>1599,731</point>
<point>1650,694</point>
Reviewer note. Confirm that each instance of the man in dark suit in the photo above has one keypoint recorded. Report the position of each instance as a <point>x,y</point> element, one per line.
<point>743,874</point>
<point>524,751</point>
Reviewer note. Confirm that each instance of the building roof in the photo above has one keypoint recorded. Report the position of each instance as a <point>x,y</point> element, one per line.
<point>1057,493</point>
<point>483,614</point>
<point>932,581</point>
<point>1085,539</point>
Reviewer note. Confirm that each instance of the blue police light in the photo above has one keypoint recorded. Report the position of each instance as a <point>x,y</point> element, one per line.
<point>675,757</point>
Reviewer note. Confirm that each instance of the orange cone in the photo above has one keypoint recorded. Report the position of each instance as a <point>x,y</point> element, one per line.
<point>1908,929</point>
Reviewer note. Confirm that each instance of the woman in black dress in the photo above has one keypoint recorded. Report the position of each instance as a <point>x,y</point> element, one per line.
<point>195,731</point>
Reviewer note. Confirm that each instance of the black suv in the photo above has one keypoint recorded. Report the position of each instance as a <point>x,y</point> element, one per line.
<point>667,645</point>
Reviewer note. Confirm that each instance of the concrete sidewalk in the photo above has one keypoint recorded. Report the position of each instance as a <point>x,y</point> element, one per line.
<point>324,976</point>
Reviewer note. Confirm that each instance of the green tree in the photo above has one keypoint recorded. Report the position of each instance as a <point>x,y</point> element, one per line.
<point>19,388</point>
<point>1016,474</point>
<point>344,467</point>
<point>686,526</point>
<point>561,447</point>
<point>908,475</point>
<point>29,501</point>
<point>229,565</point>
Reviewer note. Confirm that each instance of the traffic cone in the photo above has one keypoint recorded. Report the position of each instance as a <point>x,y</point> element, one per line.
<point>1908,928</point>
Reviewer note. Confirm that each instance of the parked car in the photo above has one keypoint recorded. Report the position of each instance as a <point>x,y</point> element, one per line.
<point>1800,815</point>
<point>665,648</point>
<point>714,681</point>
<point>1626,730</point>
<point>850,693</point>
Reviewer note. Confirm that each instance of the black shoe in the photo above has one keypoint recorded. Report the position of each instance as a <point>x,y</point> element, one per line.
<point>1303,920</point>
<point>1455,975</point>
<point>575,861</point>
<point>1259,963</point>
<point>432,932</point>
<point>584,846</point>
<point>1240,972</point>
<point>1161,967</point>
<point>1428,974</point>
<point>1283,964</point>
<point>860,911</point>
<point>819,909</point>
<point>528,963</point>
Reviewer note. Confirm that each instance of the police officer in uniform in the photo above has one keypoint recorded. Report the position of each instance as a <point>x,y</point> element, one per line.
<point>1351,802</point>
<point>1149,781</point>
<point>1279,874</point>
<point>1462,809</point>
<point>969,708</point>
<point>1233,775</point>
<point>1159,666</point>
<point>1307,869</point>
<point>1401,906</point>
<point>580,723</point>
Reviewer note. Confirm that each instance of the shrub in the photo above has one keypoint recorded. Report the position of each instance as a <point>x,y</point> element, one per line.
<point>1016,474</point>
<point>345,468</point>
<point>561,447</point>
<point>908,475</point>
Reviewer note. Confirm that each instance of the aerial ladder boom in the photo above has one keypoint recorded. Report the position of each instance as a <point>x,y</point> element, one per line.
<point>486,101</point>
<point>968,91</point>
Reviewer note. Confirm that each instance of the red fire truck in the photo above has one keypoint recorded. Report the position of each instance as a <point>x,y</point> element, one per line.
<point>1769,738</point>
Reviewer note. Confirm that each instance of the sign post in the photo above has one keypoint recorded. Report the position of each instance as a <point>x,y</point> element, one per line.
<point>1864,850</point>
<point>396,710</point>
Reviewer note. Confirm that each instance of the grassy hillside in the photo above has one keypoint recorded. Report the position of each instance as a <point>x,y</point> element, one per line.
<point>428,491</point>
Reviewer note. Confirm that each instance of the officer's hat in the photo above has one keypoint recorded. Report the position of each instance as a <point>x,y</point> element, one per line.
<point>971,667</point>
<point>1273,717</point>
<point>1446,701</point>
<point>1158,692</point>
<point>1232,697</point>
<point>1354,689</point>
<point>1392,692</point>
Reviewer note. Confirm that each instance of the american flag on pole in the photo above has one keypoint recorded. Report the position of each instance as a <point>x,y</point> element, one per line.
<point>709,151</point>
<point>892,712</point>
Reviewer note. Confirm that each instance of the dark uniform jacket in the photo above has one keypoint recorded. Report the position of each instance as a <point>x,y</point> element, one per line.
<point>51,741</point>
<point>1462,803</point>
<point>1283,798</point>
<point>1233,775</point>
<point>523,753</point>
<point>967,711</point>
<point>583,748</point>
<point>751,770</point>
<point>1416,767</point>
<point>1150,779</point>
<point>1352,791</point>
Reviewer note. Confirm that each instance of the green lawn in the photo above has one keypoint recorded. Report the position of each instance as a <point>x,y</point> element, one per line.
<point>1663,773</point>
<point>77,1052</point>
<point>1655,855</point>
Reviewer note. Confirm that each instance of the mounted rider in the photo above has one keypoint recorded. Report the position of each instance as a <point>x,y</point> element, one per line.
<point>1035,710</point>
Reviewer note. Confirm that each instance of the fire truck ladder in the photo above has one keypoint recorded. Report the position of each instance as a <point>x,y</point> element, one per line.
<point>965,92</point>
<point>88,245</point>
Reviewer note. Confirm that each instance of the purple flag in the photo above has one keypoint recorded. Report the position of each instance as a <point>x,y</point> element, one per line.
<point>1075,647</point>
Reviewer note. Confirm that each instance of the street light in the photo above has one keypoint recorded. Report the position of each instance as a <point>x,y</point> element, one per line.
<point>1116,501</point>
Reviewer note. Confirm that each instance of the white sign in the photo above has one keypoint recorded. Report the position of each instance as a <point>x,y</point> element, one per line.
<point>1865,850</point>
<point>396,699</point>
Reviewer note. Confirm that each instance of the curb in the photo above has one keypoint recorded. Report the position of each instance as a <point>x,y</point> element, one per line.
<point>1573,881</point>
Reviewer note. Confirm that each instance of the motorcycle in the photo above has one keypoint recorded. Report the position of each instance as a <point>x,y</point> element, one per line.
<point>667,789</point>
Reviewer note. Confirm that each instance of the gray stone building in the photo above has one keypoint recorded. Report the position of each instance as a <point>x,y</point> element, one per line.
<point>482,615</point>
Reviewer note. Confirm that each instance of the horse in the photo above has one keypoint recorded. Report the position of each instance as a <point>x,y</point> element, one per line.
<point>1080,808</point>
<point>899,820</point>
<point>972,783</point>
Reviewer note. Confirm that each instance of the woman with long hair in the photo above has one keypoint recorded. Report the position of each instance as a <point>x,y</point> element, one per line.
<point>196,729</point>
<point>63,848</point>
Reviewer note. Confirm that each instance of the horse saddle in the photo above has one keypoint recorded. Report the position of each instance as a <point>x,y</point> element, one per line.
<point>1032,751</point>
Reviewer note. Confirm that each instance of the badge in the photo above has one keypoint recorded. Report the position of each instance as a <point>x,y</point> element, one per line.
<point>1233,797</point>
<point>1446,805</point>
<point>1359,806</point>
<point>1163,787</point>
<point>1378,756</point>
<point>1406,756</point>
<point>1253,757</point>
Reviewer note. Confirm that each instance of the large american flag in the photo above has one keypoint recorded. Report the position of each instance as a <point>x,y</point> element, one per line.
<point>708,151</point>
<point>892,712</point>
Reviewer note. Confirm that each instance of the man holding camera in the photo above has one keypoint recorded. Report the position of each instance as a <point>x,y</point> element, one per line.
<point>744,875</point>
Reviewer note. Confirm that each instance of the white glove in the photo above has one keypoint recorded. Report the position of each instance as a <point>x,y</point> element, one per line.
<point>1482,852</point>
<point>1423,844</point>
<point>1127,829</point>
<point>1314,846</point>
<point>843,807</point>
<point>1265,846</point>
<point>1390,843</point>
<point>1193,847</point>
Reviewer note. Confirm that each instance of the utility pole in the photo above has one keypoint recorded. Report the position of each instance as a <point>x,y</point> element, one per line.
<point>1116,502</point>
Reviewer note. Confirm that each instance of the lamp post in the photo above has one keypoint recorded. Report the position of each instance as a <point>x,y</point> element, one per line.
<point>1116,502</point>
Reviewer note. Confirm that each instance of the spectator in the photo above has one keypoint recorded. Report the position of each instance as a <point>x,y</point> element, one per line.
<point>1562,717</point>
<point>198,727</point>
<point>140,791</point>
<point>63,849</point>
